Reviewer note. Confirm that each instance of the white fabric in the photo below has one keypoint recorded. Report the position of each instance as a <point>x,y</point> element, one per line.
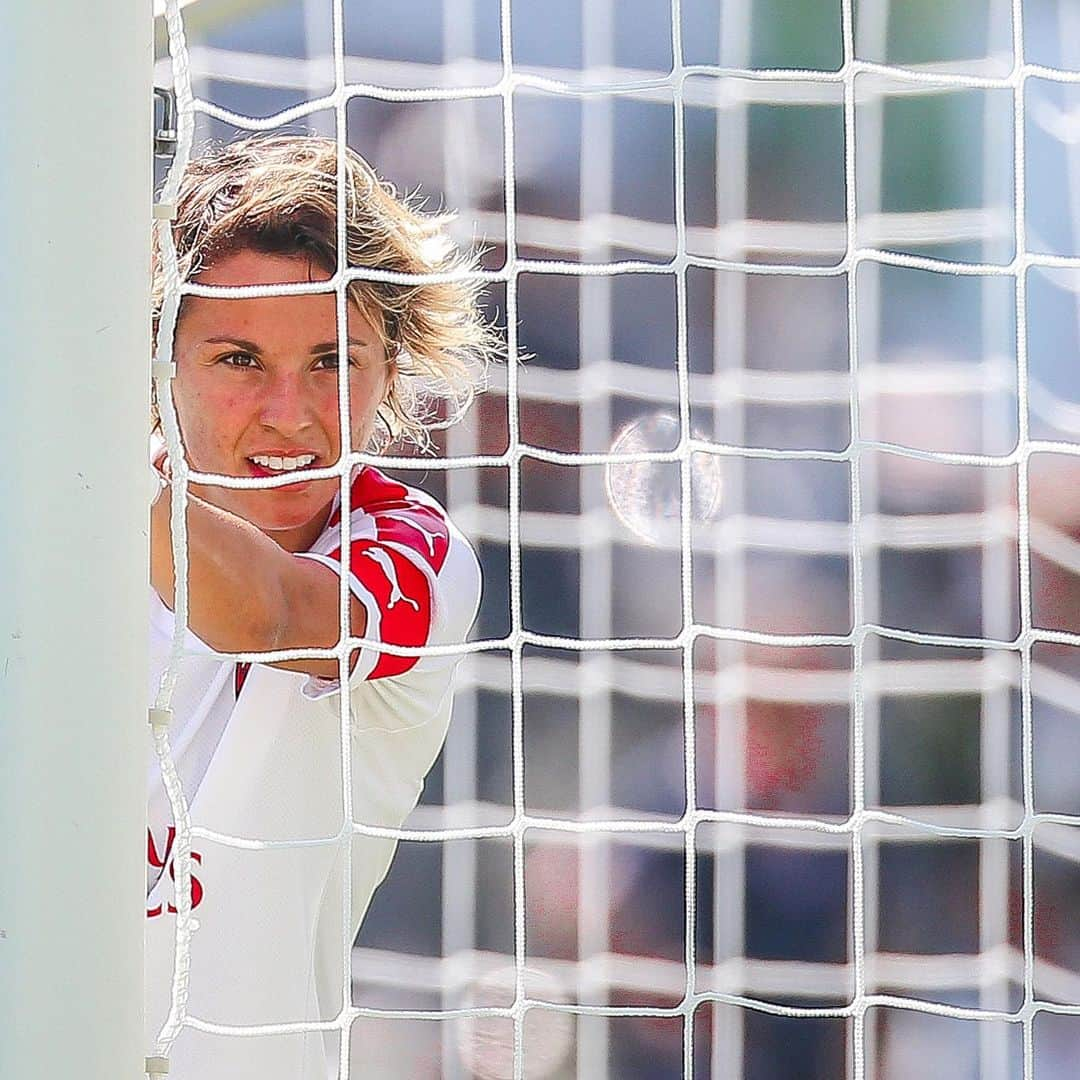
<point>272,944</point>
<point>202,704</point>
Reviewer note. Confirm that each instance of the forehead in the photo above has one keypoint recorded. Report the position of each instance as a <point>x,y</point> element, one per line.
<point>311,317</point>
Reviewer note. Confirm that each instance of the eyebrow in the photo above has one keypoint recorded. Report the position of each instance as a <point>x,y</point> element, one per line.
<point>251,346</point>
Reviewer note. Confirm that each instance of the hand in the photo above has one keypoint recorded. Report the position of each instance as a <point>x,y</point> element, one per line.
<point>162,474</point>
<point>164,467</point>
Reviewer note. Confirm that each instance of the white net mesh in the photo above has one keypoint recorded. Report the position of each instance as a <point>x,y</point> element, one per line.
<point>762,751</point>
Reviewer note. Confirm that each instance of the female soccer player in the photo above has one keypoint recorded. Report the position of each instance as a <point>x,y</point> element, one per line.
<point>258,748</point>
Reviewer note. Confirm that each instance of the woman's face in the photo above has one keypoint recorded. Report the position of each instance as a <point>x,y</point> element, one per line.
<point>256,390</point>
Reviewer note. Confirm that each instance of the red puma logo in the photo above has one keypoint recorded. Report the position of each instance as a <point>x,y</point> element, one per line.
<point>159,861</point>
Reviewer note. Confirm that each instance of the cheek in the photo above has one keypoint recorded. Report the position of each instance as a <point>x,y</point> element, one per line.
<point>366,397</point>
<point>207,418</point>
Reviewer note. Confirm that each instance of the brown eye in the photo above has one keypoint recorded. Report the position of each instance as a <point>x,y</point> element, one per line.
<point>238,360</point>
<point>330,362</point>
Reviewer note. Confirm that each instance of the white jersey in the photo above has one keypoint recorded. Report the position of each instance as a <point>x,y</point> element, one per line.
<point>261,763</point>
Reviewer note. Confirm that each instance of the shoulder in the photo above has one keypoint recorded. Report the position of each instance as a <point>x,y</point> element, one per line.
<point>382,508</point>
<point>391,520</point>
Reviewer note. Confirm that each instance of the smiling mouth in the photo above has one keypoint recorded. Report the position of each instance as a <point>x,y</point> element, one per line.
<point>272,465</point>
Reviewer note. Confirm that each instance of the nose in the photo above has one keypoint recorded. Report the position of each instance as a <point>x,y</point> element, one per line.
<point>286,407</point>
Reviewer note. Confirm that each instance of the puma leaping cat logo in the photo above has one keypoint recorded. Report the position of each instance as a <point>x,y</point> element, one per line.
<point>386,564</point>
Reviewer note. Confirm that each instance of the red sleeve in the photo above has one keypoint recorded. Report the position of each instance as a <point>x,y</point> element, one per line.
<point>399,567</point>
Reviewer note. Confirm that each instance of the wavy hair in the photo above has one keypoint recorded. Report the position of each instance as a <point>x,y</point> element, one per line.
<point>278,195</point>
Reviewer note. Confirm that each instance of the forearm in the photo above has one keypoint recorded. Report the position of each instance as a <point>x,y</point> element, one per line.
<point>236,599</point>
<point>245,592</point>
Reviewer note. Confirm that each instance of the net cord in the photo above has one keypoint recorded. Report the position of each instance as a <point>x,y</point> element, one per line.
<point>852,828</point>
<point>186,924</point>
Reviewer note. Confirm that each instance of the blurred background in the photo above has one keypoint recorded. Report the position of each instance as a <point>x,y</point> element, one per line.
<point>773,333</point>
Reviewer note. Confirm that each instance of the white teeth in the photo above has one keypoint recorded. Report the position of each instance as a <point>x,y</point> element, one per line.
<point>279,464</point>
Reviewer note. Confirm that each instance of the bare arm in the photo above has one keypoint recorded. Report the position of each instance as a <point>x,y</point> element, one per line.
<point>247,594</point>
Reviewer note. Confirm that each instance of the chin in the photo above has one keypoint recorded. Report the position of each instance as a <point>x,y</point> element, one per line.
<point>279,524</point>
<point>274,523</point>
<point>284,518</point>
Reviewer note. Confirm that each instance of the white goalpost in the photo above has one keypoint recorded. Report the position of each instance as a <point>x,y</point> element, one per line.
<point>75,216</point>
<point>768,748</point>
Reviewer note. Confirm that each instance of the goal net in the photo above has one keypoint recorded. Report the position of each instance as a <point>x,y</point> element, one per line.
<point>763,754</point>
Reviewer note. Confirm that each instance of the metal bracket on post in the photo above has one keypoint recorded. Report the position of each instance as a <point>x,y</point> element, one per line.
<point>165,136</point>
<point>157,1066</point>
<point>165,143</point>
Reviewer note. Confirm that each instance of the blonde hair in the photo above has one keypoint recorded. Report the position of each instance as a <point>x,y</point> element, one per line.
<point>278,195</point>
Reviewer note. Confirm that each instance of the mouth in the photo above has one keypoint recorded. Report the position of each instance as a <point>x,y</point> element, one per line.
<point>280,465</point>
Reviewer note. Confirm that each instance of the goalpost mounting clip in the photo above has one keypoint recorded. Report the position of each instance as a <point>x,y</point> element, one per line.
<point>165,142</point>
<point>165,136</point>
<point>157,1066</point>
<point>160,719</point>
